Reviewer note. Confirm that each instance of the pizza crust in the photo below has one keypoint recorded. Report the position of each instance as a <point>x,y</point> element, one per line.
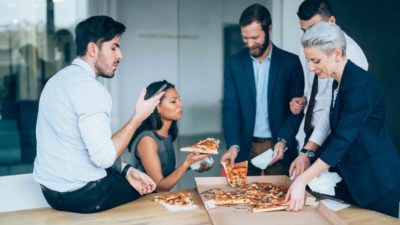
<point>197,150</point>
<point>230,198</point>
<point>207,146</point>
<point>269,209</point>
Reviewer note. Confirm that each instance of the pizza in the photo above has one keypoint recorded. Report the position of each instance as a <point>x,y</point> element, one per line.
<point>208,146</point>
<point>266,197</point>
<point>261,197</point>
<point>181,198</point>
<point>237,174</point>
<point>230,198</point>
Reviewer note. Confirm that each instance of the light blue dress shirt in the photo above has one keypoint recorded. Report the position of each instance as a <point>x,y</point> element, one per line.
<point>73,132</point>
<point>261,76</point>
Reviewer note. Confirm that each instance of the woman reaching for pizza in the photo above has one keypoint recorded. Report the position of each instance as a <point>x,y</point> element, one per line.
<point>152,149</point>
<point>360,148</point>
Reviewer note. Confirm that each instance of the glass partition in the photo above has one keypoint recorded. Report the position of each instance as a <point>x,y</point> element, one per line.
<point>36,40</point>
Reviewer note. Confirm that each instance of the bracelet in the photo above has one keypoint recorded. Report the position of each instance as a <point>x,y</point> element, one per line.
<point>237,148</point>
<point>282,140</point>
<point>125,170</point>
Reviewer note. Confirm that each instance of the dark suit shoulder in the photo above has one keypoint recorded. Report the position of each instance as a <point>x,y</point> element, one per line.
<point>356,75</point>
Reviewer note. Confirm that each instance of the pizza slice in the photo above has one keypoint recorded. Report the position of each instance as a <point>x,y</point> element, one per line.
<point>268,188</point>
<point>268,203</point>
<point>267,197</point>
<point>237,174</point>
<point>208,146</point>
<point>230,198</point>
<point>268,207</point>
<point>181,198</point>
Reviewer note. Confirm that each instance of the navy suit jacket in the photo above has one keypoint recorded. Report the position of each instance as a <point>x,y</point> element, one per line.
<point>286,80</point>
<point>360,146</point>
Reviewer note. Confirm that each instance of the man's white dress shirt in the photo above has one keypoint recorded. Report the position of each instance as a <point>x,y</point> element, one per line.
<point>262,128</point>
<point>320,117</point>
<point>73,132</point>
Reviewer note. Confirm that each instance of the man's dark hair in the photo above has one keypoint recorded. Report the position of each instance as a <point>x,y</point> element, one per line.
<point>154,122</point>
<point>97,29</point>
<point>256,13</point>
<point>310,8</point>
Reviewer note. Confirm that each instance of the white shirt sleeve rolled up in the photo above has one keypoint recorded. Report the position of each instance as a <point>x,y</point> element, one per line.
<point>94,123</point>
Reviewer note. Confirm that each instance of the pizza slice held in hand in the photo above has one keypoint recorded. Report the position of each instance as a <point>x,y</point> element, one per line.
<point>237,174</point>
<point>207,146</point>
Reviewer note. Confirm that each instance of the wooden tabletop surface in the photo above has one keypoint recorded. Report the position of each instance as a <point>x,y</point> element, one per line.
<point>145,212</point>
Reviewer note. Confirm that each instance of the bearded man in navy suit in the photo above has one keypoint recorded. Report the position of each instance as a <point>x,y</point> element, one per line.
<point>259,83</point>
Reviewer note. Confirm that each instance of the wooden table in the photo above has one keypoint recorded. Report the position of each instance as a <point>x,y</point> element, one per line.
<point>145,212</point>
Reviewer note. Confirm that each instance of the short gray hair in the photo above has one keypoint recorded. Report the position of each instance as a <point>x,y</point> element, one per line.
<point>326,36</point>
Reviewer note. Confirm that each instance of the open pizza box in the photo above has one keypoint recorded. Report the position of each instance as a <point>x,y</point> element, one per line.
<point>241,214</point>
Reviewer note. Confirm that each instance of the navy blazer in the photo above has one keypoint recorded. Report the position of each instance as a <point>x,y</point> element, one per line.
<point>286,80</point>
<point>360,145</point>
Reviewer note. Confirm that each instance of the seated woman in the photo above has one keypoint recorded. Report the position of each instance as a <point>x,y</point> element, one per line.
<point>152,149</point>
<point>360,148</point>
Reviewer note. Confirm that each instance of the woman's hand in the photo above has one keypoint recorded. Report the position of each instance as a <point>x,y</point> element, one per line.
<point>296,195</point>
<point>140,181</point>
<point>194,157</point>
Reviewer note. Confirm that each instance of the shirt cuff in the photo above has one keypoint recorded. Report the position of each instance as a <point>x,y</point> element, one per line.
<point>318,137</point>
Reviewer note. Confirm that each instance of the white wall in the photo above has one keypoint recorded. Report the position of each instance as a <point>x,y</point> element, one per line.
<point>149,50</point>
<point>286,26</point>
<point>182,41</point>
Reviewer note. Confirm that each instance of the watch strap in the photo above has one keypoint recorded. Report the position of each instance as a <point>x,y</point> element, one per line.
<point>125,170</point>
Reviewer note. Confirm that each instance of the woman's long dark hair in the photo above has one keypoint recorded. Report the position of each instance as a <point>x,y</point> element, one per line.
<point>154,122</point>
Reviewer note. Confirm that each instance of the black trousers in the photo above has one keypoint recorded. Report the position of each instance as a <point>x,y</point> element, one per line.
<point>96,196</point>
<point>259,146</point>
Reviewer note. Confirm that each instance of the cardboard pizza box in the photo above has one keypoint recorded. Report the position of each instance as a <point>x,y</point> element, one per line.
<point>241,214</point>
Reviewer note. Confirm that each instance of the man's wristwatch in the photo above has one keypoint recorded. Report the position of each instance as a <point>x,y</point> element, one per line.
<point>310,154</point>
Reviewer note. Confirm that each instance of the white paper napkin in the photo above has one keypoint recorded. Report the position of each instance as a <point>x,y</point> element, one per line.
<point>177,208</point>
<point>325,183</point>
<point>263,160</point>
<point>209,161</point>
<point>210,204</point>
<point>334,205</point>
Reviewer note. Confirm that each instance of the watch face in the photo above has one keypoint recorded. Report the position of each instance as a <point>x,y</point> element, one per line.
<point>308,153</point>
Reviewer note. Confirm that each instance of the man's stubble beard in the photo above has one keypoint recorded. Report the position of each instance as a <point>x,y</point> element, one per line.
<point>100,71</point>
<point>263,47</point>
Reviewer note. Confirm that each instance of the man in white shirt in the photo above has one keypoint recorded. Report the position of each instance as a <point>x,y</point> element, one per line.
<point>316,125</point>
<point>75,147</point>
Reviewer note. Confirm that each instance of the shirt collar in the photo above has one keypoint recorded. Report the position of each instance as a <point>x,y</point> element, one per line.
<point>85,66</point>
<point>268,58</point>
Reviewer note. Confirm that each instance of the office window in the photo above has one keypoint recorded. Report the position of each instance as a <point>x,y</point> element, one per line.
<point>36,40</point>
